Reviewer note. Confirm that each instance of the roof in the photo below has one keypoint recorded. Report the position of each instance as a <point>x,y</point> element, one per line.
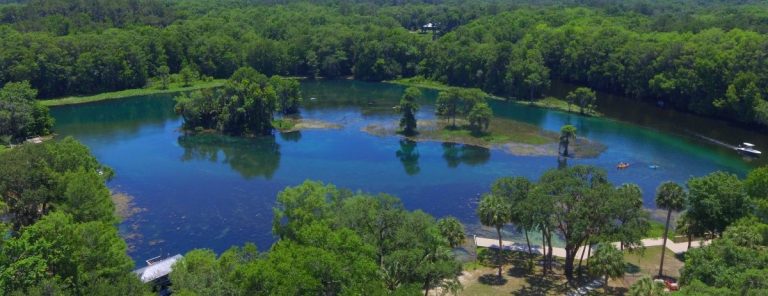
<point>158,269</point>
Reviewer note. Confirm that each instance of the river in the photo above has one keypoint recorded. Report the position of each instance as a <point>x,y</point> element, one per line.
<point>215,192</point>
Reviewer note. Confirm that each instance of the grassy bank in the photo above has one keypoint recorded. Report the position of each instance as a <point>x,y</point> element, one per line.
<point>548,102</point>
<point>172,88</point>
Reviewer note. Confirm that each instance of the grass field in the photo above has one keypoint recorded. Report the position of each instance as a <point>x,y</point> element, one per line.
<point>172,88</point>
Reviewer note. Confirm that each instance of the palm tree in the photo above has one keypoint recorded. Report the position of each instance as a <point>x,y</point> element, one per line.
<point>607,262</point>
<point>452,230</point>
<point>671,197</point>
<point>567,132</point>
<point>646,287</point>
<point>494,211</point>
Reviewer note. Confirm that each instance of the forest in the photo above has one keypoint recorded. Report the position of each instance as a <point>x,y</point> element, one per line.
<point>60,230</point>
<point>705,58</point>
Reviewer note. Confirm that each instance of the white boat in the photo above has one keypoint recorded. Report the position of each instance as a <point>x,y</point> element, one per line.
<point>748,148</point>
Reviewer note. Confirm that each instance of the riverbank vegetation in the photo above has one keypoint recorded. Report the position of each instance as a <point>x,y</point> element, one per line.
<point>21,116</point>
<point>59,226</point>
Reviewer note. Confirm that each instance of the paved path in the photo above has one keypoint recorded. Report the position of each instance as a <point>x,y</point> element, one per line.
<point>678,248</point>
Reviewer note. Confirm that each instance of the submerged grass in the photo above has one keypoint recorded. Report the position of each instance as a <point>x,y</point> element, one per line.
<point>172,88</point>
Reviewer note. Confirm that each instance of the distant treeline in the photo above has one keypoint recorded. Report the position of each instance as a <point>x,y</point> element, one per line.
<point>706,58</point>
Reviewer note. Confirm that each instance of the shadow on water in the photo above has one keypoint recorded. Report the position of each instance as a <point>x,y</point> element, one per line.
<point>409,156</point>
<point>457,154</point>
<point>291,137</point>
<point>250,157</point>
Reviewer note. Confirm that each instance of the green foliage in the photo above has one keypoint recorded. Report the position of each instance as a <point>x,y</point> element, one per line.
<point>245,106</point>
<point>452,230</point>
<point>717,200</point>
<point>455,102</point>
<point>632,221</point>
<point>495,211</point>
<point>567,132</point>
<point>408,108</point>
<point>584,97</point>
<point>21,116</point>
<point>480,116</point>
<point>646,287</point>
<point>737,261</point>
<point>35,181</point>
<point>164,73</point>
<point>607,261</point>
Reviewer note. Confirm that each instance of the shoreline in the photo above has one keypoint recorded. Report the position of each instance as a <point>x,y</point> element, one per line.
<point>135,92</point>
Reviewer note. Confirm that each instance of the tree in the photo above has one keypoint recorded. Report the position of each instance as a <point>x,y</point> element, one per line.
<point>567,132</point>
<point>671,197</point>
<point>200,272</point>
<point>607,261</point>
<point>584,97</point>
<point>408,108</point>
<point>20,115</point>
<point>516,191</point>
<point>494,211</point>
<point>579,204</point>
<point>455,102</point>
<point>86,197</point>
<point>188,75</point>
<point>452,230</point>
<point>646,287</point>
<point>756,186</point>
<point>717,200</point>
<point>528,73</point>
<point>480,117</point>
<point>288,94</point>
<point>736,261</point>
<point>632,222</point>
<point>164,73</point>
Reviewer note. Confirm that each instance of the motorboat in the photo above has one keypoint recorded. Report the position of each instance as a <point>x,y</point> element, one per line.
<point>748,148</point>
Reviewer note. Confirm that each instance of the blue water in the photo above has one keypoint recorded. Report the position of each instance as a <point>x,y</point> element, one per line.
<point>215,192</point>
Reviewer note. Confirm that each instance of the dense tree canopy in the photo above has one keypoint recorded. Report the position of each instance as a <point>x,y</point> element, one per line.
<point>245,106</point>
<point>63,235</point>
<point>20,115</point>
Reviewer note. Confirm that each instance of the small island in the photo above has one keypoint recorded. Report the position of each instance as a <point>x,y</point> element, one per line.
<point>246,106</point>
<point>465,118</point>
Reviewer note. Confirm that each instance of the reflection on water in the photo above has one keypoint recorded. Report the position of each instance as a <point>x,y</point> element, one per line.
<point>456,154</point>
<point>409,156</point>
<point>251,157</point>
<point>291,137</point>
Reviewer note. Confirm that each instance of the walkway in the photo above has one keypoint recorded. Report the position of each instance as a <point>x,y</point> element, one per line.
<point>678,248</point>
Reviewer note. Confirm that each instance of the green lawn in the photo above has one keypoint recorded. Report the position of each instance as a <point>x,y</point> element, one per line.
<point>172,88</point>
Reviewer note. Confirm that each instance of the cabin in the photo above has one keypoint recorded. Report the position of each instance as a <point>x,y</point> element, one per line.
<point>156,273</point>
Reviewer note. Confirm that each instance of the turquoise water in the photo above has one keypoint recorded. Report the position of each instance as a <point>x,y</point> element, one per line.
<point>213,191</point>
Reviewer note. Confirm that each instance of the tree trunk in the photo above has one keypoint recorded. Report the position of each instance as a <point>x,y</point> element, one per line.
<point>584,250</point>
<point>690,238</point>
<point>565,147</point>
<point>589,254</point>
<point>549,251</point>
<point>426,287</point>
<point>543,252</point>
<point>570,256</point>
<point>528,241</point>
<point>664,245</point>
<point>501,248</point>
